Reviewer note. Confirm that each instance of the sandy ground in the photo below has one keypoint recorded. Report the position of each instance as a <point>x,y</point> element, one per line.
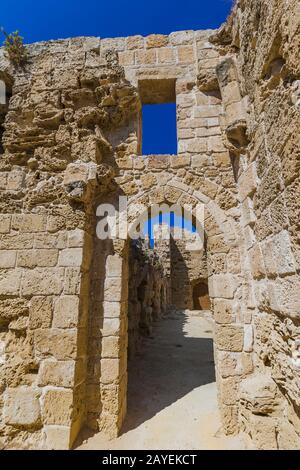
<point>172,395</point>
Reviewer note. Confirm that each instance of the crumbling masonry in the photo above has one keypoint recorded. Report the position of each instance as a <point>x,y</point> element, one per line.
<point>71,141</point>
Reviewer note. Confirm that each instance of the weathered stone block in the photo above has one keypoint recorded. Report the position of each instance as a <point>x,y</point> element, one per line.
<point>7,259</point>
<point>113,309</point>
<point>57,373</point>
<point>57,437</point>
<point>146,57</point>
<point>223,311</point>
<point>5,223</point>
<point>111,370</point>
<point>40,312</point>
<point>257,262</point>
<point>186,54</point>
<point>247,182</point>
<point>42,281</point>
<point>29,222</point>
<point>113,289</point>
<point>57,406</point>
<point>22,407</point>
<point>229,338</point>
<point>37,258</point>
<point>222,285</point>
<point>66,312</point>
<point>10,280</point>
<point>60,344</point>
<point>71,257</point>
<point>156,40</point>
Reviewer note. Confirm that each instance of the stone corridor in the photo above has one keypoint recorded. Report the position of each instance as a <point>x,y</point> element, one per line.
<point>172,394</point>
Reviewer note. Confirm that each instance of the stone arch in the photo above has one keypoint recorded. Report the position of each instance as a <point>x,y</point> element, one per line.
<point>225,289</point>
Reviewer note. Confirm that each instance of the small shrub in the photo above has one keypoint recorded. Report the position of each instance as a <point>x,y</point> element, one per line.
<point>15,48</point>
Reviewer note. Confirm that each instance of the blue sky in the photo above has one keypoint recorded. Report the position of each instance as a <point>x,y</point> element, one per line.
<point>40,20</point>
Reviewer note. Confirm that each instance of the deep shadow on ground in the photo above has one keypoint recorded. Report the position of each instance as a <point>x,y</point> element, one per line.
<point>172,395</point>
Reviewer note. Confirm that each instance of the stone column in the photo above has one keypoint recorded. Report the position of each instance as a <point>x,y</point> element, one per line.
<point>113,381</point>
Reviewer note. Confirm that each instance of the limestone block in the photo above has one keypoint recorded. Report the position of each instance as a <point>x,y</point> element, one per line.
<point>158,161</point>
<point>208,111</point>
<point>113,289</point>
<point>125,163</point>
<point>57,406</point>
<point>112,347</point>
<point>287,437</point>
<point>71,257</point>
<point>66,312</point>
<point>111,370</point>
<point>5,223</point>
<point>229,390</point>
<point>21,407</point>
<point>113,309</point>
<point>229,417</point>
<point>182,37</point>
<point>217,244</point>
<point>135,42</point>
<point>234,112</point>
<point>256,261</point>
<point>37,258</point>
<point>263,432</point>
<point>223,311</point>
<point>57,437</point>
<point>284,296</point>
<point>114,266</point>
<point>10,280</point>
<point>258,393</point>
<point>186,54</point>
<point>76,238</point>
<point>40,312</point>
<point>56,373</point>
<point>231,93</point>
<point>156,40</point>
<point>180,161</point>
<point>49,240</point>
<point>229,338</point>
<point>278,256</point>
<point>146,57</point>
<point>7,259</point>
<point>247,182</point>
<point>60,344</point>
<point>111,327</point>
<point>15,180</point>
<point>42,281</point>
<point>166,55</point>
<point>248,216</point>
<point>222,285</point>
<point>138,163</point>
<point>72,281</point>
<point>126,58</point>
<point>248,338</point>
<point>3,175</point>
<point>29,222</point>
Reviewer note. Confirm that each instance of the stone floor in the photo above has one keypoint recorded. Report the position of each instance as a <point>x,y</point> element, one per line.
<point>172,395</point>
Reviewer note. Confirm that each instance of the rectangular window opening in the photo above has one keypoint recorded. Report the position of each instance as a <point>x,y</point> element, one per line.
<point>159,124</point>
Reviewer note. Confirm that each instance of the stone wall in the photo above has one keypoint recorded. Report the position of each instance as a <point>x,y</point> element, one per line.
<point>260,88</point>
<point>188,266</point>
<point>149,286</point>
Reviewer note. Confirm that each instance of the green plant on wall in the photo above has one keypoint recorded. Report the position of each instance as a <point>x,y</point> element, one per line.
<point>15,48</point>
